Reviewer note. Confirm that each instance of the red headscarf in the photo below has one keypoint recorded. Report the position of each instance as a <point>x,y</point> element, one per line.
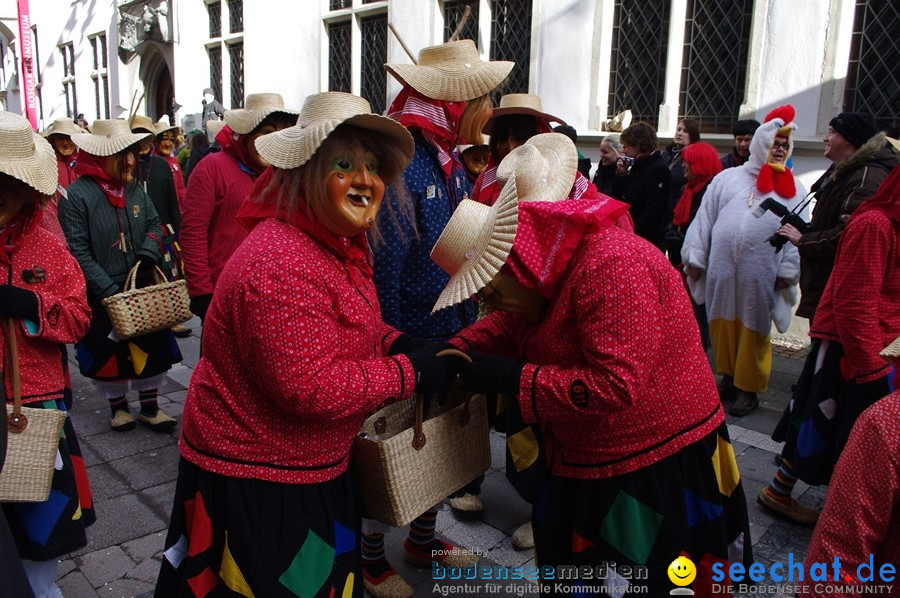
<point>233,144</point>
<point>548,234</point>
<point>95,167</point>
<point>438,120</point>
<point>705,164</point>
<point>262,203</point>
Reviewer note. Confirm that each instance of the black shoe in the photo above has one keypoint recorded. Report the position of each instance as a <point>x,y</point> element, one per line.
<point>726,388</point>
<point>745,404</point>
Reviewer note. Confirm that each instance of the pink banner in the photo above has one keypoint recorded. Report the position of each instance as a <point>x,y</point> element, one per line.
<point>26,45</point>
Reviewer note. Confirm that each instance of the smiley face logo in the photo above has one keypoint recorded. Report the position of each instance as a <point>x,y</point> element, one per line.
<point>682,571</point>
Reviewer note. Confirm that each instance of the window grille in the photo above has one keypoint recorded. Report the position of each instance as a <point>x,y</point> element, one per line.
<point>68,58</point>
<point>339,4</point>
<point>511,40</point>
<point>873,82</point>
<point>453,12</point>
<point>236,58</point>
<point>100,74</point>
<point>374,55</point>
<point>638,70</point>
<point>716,44</point>
<point>215,70</point>
<point>339,56</point>
<point>215,18</point>
<point>236,16</point>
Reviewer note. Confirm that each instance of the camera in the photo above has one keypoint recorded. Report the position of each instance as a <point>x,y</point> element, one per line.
<point>787,217</point>
<point>628,161</point>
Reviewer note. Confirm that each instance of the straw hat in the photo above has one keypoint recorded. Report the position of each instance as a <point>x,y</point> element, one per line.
<point>107,137</point>
<point>321,115</point>
<point>139,122</point>
<point>25,155</point>
<point>213,127</point>
<point>520,103</point>
<point>475,244</point>
<point>544,167</point>
<point>257,107</point>
<point>162,126</point>
<point>453,72</point>
<point>62,126</point>
<point>891,353</point>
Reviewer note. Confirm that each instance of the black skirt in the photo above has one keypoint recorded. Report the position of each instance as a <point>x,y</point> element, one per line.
<point>691,503</point>
<point>234,536</point>
<point>817,422</point>
<point>102,358</point>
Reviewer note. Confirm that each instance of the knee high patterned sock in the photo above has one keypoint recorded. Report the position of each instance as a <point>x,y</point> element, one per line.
<point>148,401</point>
<point>783,483</point>
<point>375,566</point>
<point>421,534</point>
<point>118,404</point>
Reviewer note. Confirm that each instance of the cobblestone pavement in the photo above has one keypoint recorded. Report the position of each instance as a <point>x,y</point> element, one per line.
<point>133,479</point>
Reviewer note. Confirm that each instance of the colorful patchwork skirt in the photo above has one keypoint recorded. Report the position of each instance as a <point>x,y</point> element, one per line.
<point>102,358</point>
<point>53,528</point>
<point>245,537</point>
<point>628,529</point>
<point>816,423</point>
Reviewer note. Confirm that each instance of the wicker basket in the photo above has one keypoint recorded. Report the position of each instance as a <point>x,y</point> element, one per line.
<point>409,456</point>
<point>135,312</point>
<point>33,440</point>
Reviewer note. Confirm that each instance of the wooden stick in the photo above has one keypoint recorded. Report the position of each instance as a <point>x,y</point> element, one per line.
<point>402,43</point>
<point>462,23</point>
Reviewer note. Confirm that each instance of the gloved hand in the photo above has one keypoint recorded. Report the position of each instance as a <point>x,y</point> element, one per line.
<point>434,374</point>
<point>200,304</point>
<point>18,303</point>
<point>491,374</point>
<point>146,263</point>
<point>406,344</point>
<point>673,238</point>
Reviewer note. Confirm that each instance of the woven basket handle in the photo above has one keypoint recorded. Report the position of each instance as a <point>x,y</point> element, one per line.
<point>131,281</point>
<point>15,421</point>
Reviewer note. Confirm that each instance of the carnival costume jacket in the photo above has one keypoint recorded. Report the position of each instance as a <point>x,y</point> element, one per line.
<point>63,312</point>
<point>614,372</point>
<point>281,398</point>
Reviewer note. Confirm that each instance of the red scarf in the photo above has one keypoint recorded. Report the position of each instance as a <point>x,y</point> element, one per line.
<point>548,234</point>
<point>262,204</point>
<point>438,121</point>
<point>14,231</point>
<point>233,144</point>
<point>705,164</point>
<point>95,167</point>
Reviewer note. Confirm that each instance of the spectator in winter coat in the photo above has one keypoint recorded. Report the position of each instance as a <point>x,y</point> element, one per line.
<point>42,307</point>
<point>593,333</point>
<point>610,148</point>
<point>216,189</point>
<point>743,134</point>
<point>295,356</point>
<point>861,160</point>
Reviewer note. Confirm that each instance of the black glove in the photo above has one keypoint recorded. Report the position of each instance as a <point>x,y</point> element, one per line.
<point>672,237</point>
<point>434,374</point>
<point>146,264</point>
<point>491,374</point>
<point>200,304</point>
<point>18,303</point>
<point>406,344</point>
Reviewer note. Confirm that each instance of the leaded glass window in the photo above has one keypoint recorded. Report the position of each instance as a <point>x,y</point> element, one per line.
<point>511,40</point>
<point>374,55</point>
<point>236,60</point>
<point>873,82</point>
<point>339,56</point>
<point>453,12</point>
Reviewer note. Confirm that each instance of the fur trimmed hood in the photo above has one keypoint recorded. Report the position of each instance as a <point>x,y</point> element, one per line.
<point>873,150</point>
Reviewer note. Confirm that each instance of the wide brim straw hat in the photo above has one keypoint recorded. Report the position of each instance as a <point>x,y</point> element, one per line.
<point>108,137</point>
<point>322,113</point>
<point>213,127</point>
<point>257,107</point>
<point>25,155</point>
<point>161,127</point>
<point>544,168</point>
<point>891,353</point>
<point>62,126</point>
<point>520,103</point>
<point>475,244</point>
<point>143,123</point>
<point>453,71</point>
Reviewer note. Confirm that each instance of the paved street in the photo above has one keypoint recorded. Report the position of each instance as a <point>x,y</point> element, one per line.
<point>133,479</point>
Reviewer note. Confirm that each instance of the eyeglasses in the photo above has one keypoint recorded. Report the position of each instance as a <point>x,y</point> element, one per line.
<point>781,145</point>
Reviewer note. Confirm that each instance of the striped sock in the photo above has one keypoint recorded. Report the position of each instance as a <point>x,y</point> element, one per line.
<point>375,566</point>
<point>421,530</point>
<point>118,404</point>
<point>783,483</point>
<point>148,402</point>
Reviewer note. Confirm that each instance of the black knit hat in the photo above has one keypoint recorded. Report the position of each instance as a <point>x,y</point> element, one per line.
<point>745,127</point>
<point>856,127</point>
